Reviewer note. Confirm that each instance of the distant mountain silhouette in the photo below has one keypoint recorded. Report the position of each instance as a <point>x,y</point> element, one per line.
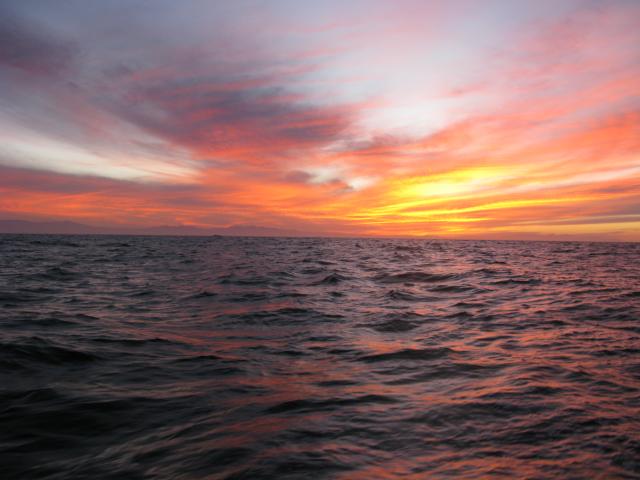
<point>67,227</point>
<point>63,227</point>
<point>241,230</point>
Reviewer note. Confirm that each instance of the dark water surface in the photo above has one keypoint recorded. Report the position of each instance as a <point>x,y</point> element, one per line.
<point>241,358</point>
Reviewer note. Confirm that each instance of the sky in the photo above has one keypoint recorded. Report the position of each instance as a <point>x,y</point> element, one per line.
<point>457,118</point>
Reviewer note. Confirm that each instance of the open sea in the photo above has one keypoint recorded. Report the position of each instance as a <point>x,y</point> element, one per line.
<point>280,358</point>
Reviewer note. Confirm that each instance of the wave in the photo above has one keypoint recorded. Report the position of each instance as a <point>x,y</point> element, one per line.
<point>203,294</point>
<point>414,277</point>
<point>38,350</point>
<point>15,298</point>
<point>394,326</point>
<point>58,274</point>
<point>412,354</point>
<point>402,295</point>
<point>331,279</point>
<point>452,288</point>
<point>134,342</point>
<point>329,404</point>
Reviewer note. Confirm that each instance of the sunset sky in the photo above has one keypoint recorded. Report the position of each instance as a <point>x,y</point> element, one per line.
<point>472,119</point>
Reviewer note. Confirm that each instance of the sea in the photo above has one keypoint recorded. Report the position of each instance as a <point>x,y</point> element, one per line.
<point>132,357</point>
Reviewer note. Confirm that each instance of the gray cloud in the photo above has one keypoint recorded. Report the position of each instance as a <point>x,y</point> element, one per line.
<point>208,95</point>
<point>29,47</point>
<point>32,180</point>
<point>247,114</point>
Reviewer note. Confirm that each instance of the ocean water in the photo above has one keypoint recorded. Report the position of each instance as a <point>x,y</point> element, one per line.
<point>260,358</point>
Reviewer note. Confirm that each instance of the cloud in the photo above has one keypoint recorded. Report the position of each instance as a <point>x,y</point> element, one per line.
<point>44,181</point>
<point>410,120</point>
<point>253,121</point>
<point>30,48</point>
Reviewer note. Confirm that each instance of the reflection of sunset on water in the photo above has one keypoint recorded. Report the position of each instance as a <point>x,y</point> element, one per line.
<point>283,357</point>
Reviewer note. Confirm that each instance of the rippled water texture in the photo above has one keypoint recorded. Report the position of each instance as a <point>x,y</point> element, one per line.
<point>244,358</point>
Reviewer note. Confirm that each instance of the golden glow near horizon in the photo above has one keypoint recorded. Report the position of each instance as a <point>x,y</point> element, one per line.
<point>416,119</point>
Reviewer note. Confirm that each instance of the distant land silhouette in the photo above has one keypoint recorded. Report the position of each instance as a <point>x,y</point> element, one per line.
<point>69,228</point>
<point>66,227</point>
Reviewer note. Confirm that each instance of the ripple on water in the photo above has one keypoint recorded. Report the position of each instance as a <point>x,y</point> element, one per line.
<point>169,357</point>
